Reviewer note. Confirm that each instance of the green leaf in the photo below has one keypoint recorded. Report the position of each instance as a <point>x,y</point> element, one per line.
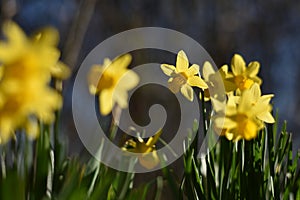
<point>12,186</point>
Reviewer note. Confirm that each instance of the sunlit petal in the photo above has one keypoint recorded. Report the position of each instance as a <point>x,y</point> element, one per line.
<point>167,69</point>
<point>197,81</point>
<point>238,65</point>
<point>266,117</point>
<point>193,70</point>
<point>106,102</point>
<point>187,92</point>
<point>128,81</point>
<point>207,70</point>
<point>253,69</point>
<point>182,62</point>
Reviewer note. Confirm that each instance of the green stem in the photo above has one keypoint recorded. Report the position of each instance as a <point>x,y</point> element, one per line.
<point>204,123</point>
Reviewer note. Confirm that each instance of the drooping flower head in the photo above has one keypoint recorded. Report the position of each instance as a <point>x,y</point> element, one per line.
<point>148,158</point>
<point>245,115</point>
<point>28,64</point>
<point>112,81</point>
<point>242,76</point>
<point>183,77</point>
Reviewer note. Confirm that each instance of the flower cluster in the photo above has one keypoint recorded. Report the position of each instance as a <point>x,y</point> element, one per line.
<point>242,117</point>
<point>246,109</point>
<point>27,66</point>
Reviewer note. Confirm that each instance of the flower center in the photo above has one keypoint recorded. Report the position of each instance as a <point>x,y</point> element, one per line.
<point>243,82</point>
<point>106,81</point>
<point>178,80</point>
<point>245,124</point>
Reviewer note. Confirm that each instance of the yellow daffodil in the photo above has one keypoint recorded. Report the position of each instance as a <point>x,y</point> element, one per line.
<point>216,80</point>
<point>183,76</point>
<point>27,67</point>
<point>245,114</point>
<point>148,158</point>
<point>242,77</point>
<point>112,81</point>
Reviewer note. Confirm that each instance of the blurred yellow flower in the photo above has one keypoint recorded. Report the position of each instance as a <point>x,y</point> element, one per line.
<point>112,81</point>
<point>148,158</point>
<point>183,76</point>
<point>245,114</point>
<point>242,77</point>
<point>27,67</point>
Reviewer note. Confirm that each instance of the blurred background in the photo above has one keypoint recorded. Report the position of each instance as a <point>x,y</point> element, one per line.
<point>266,31</point>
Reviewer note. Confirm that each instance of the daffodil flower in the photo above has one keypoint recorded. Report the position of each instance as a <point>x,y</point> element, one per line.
<point>148,157</point>
<point>28,64</point>
<point>242,77</point>
<point>112,81</point>
<point>245,115</point>
<point>216,81</point>
<point>183,77</point>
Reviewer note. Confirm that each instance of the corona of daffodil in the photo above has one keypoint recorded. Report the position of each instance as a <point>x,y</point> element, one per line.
<point>245,115</point>
<point>28,64</point>
<point>112,81</point>
<point>148,158</point>
<point>183,77</point>
<point>242,76</point>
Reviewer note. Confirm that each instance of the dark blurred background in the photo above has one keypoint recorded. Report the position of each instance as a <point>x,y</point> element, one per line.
<point>266,31</point>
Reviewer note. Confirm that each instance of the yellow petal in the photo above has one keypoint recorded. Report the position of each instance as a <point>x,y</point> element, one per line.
<point>187,92</point>
<point>128,81</point>
<point>207,70</point>
<point>218,106</point>
<point>238,65</point>
<point>173,85</point>
<point>60,71</point>
<point>152,140</point>
<point>265,99</point>
<point>223,70</point>
<point>94,78</point>
<point>1,71</point>
<point>253,69</point>
<point>48,36</point>
<point>246,101</point>
<point>250,130</point>
<point>14,33</point>
<point>167,69</point>
<point>120,62</point>
<point>193,70</point>
<point>121,98</point>
<point>255,92</point>
<point>197,81</point>
<point>257,80</point>
<point>229,135</point>
<point>106,101</point>
<point>225,123</point>
<point>6,128</point>
<point>233,100</point>
<point>149,160</point>
<point>261,108</point>
<point>182,62</point>
<point>16,42</point>
<point>32,129</point>
<point>106,62</point>
<point>231,110</point>
<point>266,117</point>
